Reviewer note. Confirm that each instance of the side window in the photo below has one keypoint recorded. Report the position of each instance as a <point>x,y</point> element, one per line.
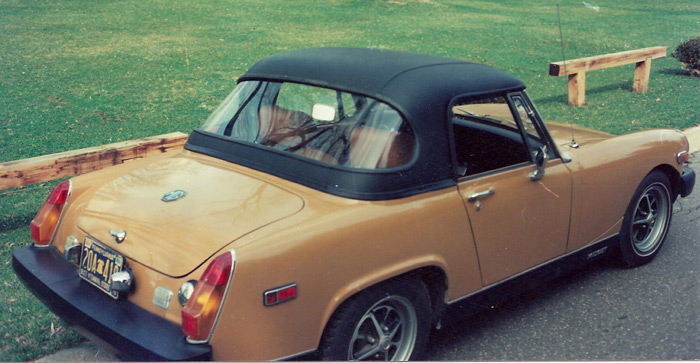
<point>487,136</point>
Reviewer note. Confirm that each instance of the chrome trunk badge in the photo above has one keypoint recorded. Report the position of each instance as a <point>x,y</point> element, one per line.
<point>119,235</point>
<point>173,195</point>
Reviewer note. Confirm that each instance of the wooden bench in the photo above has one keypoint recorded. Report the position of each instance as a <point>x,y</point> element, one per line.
<point>576,70</point>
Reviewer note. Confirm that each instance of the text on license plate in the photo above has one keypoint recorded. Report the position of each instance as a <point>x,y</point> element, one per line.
<point>97,265</point>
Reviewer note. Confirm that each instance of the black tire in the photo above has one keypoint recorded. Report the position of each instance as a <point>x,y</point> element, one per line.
<point>388,321</point>
<point>646,221</point>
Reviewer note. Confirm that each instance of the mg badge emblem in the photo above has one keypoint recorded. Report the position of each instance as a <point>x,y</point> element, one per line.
<point>173,195</point>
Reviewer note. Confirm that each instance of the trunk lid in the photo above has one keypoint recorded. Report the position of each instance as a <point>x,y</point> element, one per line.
<point>220,205</point>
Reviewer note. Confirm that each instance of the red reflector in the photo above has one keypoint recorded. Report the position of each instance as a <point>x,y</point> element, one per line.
<point>270,298</point>
<point>279,295</point>
<point>288,293</point>
<point>682,157</point>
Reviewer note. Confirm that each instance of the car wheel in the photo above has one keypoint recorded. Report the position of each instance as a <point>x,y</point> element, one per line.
<point>647,220</point>
<point>388,321</point>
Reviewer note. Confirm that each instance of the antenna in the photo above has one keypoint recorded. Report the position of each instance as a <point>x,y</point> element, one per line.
<point>573,143</point>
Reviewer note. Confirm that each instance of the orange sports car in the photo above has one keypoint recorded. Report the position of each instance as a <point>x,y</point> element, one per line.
<point>342,202</point>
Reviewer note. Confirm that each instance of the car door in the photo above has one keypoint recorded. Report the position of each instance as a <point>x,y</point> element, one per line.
<point>519,215</point>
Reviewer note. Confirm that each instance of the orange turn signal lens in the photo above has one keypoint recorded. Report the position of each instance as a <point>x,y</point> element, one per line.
<point>44,223</point>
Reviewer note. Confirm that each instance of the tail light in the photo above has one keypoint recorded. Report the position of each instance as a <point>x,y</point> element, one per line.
<point>46,220</point>
<point>202,309</point>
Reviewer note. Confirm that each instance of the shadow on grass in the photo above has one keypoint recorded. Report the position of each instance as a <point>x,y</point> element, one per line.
<point>14,222</point>
<point>626,86</point>
<point>676,72</point>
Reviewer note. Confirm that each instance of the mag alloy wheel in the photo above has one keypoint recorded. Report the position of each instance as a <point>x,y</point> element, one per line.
<point>387,331</point>
<point>650,219</point>
<point>646,221</point>
<point>387,321</point>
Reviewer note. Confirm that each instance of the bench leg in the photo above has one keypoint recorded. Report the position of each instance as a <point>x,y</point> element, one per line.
<point>577,89</point>
<point>641,76</point>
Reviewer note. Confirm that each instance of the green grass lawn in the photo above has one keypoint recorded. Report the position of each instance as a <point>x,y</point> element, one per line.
<point>78,73</point>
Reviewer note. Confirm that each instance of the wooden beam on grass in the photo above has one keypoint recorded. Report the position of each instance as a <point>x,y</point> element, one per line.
<point>48,167</point>
<point>605,61</point>
<point>576,70</point>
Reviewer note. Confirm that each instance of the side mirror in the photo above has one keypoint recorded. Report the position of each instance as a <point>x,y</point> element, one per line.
<point>323,112</point>
<point>540,162</point>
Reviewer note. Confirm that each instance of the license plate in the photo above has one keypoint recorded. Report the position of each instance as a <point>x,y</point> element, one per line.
<point>97,265</point>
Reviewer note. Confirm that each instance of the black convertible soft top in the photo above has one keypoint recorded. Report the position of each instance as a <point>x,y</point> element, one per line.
<point>421,87</point>
<point>416,84</point>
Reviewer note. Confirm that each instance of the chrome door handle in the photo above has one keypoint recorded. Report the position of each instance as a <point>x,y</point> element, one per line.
<point>474,196</point>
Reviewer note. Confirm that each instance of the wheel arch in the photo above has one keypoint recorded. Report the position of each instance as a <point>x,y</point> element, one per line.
<point>674,177</point>
<point>435,281</point>
<point>432,275</point>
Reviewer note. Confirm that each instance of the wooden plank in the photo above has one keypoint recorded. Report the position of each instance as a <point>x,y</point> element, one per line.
<point>641,76</point>
<point>48,167</point>
<point>573,66</point>
<point>577,89</point>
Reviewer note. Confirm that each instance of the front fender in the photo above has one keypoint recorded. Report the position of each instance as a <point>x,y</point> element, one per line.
<point>606,174</point>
